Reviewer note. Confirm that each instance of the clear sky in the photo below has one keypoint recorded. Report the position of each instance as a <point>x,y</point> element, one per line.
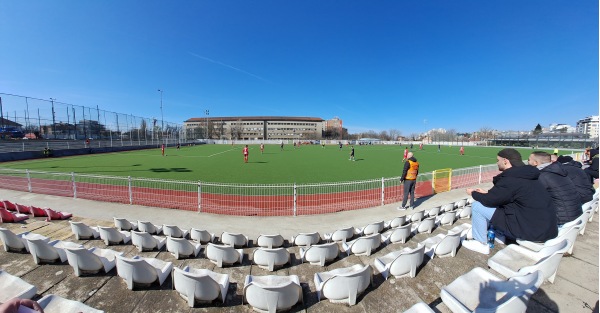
<point>378,65</point>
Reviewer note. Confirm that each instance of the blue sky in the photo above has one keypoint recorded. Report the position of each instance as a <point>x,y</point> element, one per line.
<point>378,65</point>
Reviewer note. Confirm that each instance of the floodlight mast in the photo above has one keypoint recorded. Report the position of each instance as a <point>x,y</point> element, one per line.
<point>162,118</point>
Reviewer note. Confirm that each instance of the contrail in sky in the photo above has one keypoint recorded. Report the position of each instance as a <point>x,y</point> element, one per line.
<point>228,66</point>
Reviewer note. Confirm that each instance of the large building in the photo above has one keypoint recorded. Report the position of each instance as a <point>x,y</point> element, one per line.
<point>588,126</point>
<point>255,128</point>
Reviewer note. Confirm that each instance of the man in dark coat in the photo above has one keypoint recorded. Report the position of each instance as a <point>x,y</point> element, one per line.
<point>579,178</point>
<point>553,176</point>
<point>592,170</point>
<point>518,205</point>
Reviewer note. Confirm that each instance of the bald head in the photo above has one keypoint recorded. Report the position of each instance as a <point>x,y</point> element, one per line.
<point>409,155</point>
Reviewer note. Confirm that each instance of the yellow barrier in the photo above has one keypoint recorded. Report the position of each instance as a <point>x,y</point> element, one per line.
<point>442,180</point>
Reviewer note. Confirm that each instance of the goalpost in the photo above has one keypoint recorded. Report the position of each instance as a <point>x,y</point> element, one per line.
<point>442,180</point>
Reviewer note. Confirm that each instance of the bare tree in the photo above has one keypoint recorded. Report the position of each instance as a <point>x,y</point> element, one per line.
<point>383,135</point>
<point>394,134</point>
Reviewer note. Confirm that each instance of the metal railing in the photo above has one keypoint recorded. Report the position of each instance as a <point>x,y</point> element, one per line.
<point>235,199</point>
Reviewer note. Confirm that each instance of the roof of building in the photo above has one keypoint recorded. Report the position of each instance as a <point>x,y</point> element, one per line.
<point>255,118</point>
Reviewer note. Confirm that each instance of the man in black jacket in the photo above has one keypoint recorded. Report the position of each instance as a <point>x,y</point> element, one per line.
<point>560,187</point>
<point>578,177</point>
<point>518,205</point>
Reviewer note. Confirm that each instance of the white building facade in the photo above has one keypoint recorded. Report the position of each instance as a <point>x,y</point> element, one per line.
<point>589,126</point>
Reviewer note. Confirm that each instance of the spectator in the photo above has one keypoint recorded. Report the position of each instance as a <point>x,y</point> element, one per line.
<point>560,187</point>
<point>409,178</point>
<point>592,170</point>
<point>517,206</point>
<point>579,178</point>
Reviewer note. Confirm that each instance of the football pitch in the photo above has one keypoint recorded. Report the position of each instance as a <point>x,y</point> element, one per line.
<point>225,163</point>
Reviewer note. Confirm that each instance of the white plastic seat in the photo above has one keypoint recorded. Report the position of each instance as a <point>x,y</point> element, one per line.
<point>370,229</point>
<point>464,213</point>
<point>223,254</point>
<point>174,231</point>
<point>320,254</point>
<point>447,218</point>
<point>123,224</point>
<point>442,245</point>
<point>49,252</point>
<point>516,260</point>
<point>460,204</point>
<point>480,291</point>
<point>55,304</point>
<point>17,243</point>
<point>233,239</point>
<point>200,285</point>
<point>270,241</point>
<point>343,235</point>
<point>416,217</point>
<point>398,234</point>
<point>425,226</point>
<point>83,231</point>
<point>91,260</point>
<point>582,220</point>
<point>14,287</point>
<point>148,227</point>
<point>363,245</point>
<point>343,285</point>
<point>112,235</point>
<point>145,241</point>
<point>181,247</point>
<point>396,222</point>
<point>400,263</point>
<point>420,307</point>
<point>142,271</point>
<point>306,239</point>
<point>565,233</point>
<point>272,293</point>
<point>270,258</point>
<point>202,236</point>
<point>433,211</point>
<point>447,207</point>
<point>464,231</point>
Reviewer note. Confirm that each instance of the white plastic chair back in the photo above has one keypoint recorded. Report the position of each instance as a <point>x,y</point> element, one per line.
<point>344,284</point>
<point>83,231</point>
<point>320,254</point>
<point>111,235</point>
<point>399,234</point>
<point>272,293</point>
<point>181,247</point>
<point>145,241</point>
<point>425,226</point>
<point>408,262</point>
<point>373,228</point>
<point>397,221</point>
<point>447,207</point>
<point>460,204</point>
<point>234,240</point>
<point>343,234</point>
<point>12,242</point>
<point>306,239</point>
<point>201,235</point>
<point>123,224</point>
<point>434,211</point>
<point>222,254</point>
<point>174,231</point>
<point>136,270</point>
<point>53,303</point>
<point>14,287</point>
<point>448,218</point>
<point>270,241</point>
<point>82,260</point>
<point>43,251</point>
<point>417,216</point>
<point>442,245</point>
<point>465,212</point>
<point>148,227</point>
<point>200,284</point>
<point>269,258</point>
<point>363,245</point>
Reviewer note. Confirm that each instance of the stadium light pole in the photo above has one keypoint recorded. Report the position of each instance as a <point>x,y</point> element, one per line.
<point>206,112</point>
<point>53,118</point>
<point>162,118</point>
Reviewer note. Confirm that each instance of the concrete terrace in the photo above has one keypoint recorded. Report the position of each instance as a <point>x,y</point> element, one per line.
<point>575,288</point>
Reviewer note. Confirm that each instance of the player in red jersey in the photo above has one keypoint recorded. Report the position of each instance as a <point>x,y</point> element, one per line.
<point>462,150</point>
<point>405,154</point>
<point>245,151</point>
<point>162,148</point>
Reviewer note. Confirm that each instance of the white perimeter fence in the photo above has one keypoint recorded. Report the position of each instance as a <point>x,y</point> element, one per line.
<point>241,199</point>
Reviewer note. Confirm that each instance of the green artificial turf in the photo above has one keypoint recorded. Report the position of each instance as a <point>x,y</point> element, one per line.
<point>224,163</point>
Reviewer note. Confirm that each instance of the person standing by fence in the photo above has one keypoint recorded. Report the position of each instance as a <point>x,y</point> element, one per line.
<point>162,148</point>
<point>409,181</point>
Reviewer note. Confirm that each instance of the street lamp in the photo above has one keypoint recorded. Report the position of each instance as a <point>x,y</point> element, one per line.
<point>53,118</point>
<point>162,118</point>
<point>206,112</point>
